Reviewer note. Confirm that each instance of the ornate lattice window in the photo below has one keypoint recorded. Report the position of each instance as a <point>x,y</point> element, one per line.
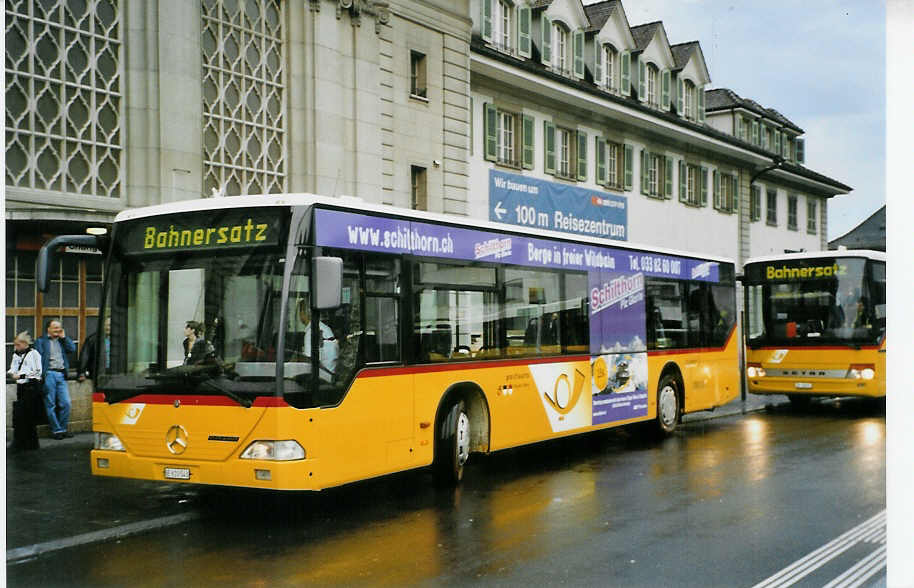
<point>243,97</point>
<point>64,105</point>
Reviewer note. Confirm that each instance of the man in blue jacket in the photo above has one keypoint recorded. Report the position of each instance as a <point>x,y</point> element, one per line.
<point>54,347</point>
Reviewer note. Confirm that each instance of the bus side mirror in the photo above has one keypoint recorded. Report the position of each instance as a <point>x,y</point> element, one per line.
<point>48,254</point>
<point>328,282</point>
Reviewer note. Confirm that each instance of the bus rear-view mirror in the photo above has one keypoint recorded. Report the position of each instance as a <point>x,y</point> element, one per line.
<point>328,282</point>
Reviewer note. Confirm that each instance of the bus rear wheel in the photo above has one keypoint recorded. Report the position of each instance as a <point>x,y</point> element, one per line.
<point>668,407</point>
<point>452,445</point>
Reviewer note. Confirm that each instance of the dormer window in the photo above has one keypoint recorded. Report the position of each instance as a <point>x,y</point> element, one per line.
<point>560,48</point>
<point>653,77</point>
<point>609,67</point>
<point>501,25</point>
<point>688,100</point>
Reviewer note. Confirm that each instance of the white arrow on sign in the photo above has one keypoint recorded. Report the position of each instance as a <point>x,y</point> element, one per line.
<point>499,210</point>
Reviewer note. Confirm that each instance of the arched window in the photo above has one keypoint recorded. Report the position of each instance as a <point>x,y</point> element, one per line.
<point>610,66</point>
<point>653,85</point>
<point>502,20</point>
<point>560,49</point>
<point>689,100</point>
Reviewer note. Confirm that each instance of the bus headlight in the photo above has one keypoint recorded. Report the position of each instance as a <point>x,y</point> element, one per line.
<point>288,450</point>
<point>861,372</point>
<point>755,370</point>
<point>108,442</point>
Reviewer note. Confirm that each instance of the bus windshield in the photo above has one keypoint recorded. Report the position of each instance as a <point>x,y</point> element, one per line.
<point>813,302</point>
<point>194,319</point>
<point>204,324</point>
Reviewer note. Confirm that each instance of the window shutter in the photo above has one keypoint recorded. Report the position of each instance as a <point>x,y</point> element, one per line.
<point>549,140</point>
<point>680,97</point>
<point>597,62</point>
<point>629,172</point>
<point>547,39</point>
<point>668,172</point>
<point>665,90</point>
<point>642,80</point>
<point>523,31</point>
<point>625,64</point>
<point>754,130</point>
<point>600,151</point>
<point>716,185</point>
<point>644,186</point>
<point>487,19</point>
<point>528,141</point>
<point>801,150</point>
<point>777,141</point>
<point>704,186</point>
<point>578,46</point>
<point>683,182</point>
<point>701,103</point>
<point>582,156</point>
<point>491,131</point>
<point>734,182</point>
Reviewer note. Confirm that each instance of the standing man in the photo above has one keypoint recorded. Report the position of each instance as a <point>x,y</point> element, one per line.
<point>54,347</point>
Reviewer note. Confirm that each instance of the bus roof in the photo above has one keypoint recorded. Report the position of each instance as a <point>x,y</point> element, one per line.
<point>357,205</point>
<point>865,253</point>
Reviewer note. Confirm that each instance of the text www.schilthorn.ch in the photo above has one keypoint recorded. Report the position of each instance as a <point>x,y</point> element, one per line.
<point>399,239</point>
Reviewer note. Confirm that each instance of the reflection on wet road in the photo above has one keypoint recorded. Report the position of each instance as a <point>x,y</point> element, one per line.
<point>723,502</point>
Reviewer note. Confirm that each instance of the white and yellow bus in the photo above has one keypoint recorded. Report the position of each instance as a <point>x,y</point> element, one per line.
<point>815,324</point>
<point>437,337</point>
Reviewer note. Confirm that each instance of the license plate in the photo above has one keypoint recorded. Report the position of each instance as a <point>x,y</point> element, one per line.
<point>177,473</point>
<point>803,385</point>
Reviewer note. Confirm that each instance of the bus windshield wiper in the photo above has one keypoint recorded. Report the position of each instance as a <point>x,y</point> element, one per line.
<point>210,385</point>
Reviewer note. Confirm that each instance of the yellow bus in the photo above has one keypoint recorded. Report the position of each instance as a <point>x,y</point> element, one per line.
<point>815,324</point>
<point>437,337</point>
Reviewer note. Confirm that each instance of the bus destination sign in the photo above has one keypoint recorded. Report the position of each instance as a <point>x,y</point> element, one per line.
<point>229,229</point>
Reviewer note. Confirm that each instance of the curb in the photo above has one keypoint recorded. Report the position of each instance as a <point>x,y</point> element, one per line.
<point>29,552</point>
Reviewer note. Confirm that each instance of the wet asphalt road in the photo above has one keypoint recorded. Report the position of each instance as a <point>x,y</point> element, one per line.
<point>723,502</point>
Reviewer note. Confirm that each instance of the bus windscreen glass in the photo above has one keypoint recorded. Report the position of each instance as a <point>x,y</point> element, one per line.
<point>813,302</point>
<point>200,318</point>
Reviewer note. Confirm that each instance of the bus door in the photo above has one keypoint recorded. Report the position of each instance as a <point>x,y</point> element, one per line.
<point>701,381</point>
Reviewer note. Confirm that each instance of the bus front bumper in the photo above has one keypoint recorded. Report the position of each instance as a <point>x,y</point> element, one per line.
<point>816,386</point>
<point>273,475</point>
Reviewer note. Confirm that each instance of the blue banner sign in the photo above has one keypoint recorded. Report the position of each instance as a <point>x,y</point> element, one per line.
<point>530,202</point>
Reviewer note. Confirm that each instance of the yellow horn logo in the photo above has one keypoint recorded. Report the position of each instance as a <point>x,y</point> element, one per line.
<point>564,398</point>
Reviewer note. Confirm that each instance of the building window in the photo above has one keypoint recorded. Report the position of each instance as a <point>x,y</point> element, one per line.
<point>73,297</point>
<point>755,204</point>
<point>560,49</point>
<point>726,187</point>
<point>766,136</point>
<point>811,216</point>
<point>614,165</point>
<point>693,185</point>
<point>501,25</point>
<point>771,209</point>
<point>418,188</point>
<point>507,137</point>
<point>609,68</point>
<point>243,97</point>
<point>64,97</point>
<point>655,175</point>
<point>653,74</point>
<point>689,100</point>
<point>792,212</point>
<point>417,77</point>
<point>564,146</point>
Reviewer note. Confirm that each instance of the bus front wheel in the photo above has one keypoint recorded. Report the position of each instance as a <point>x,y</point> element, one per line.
<point>452,445</point>
<point>668,407</point>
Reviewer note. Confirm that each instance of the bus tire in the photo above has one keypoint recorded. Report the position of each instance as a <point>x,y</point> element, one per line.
<point>668,405</point>
<point>452,445</point>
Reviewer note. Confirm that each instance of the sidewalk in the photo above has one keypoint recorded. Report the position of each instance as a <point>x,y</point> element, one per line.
<point>52,495</point>
<point>53,500</point>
